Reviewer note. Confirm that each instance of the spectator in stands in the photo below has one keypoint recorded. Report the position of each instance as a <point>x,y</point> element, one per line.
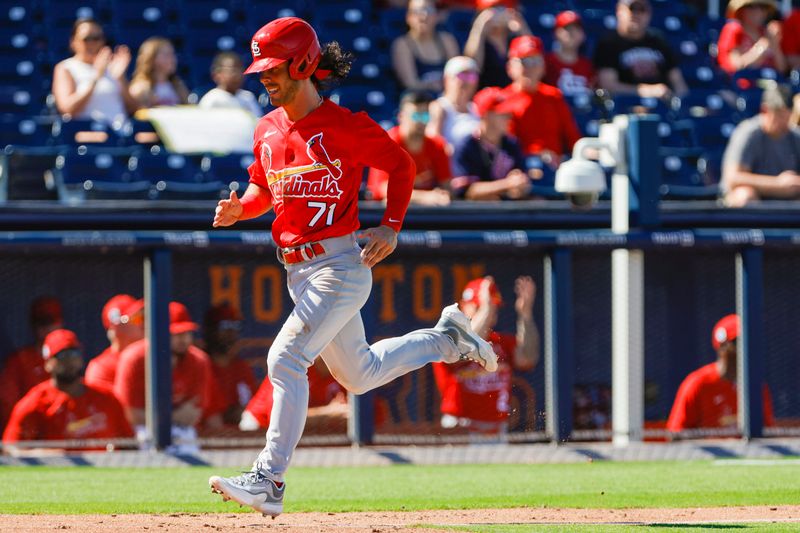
<point>419,56</point>
<point>497,23</point>
<point>327,401</point>
<point>123,320</point>
<point>227,73</point>
<point>92,84</point>
<point>234,376</point>
<point>541,119</point>
<point>747,40</point>
<point>565,67</point>
<point>64,407</point>
<point>790,39</point>
<point>155,78</point>
<point>194,393</point>
<point>471,397</point>
<point>453,115</point>
<point>489,165</point>
<point>24,368</point>
<point>432,182</point>
<point>707,397</point>
<point>762,159</point>
<point>635,60</point>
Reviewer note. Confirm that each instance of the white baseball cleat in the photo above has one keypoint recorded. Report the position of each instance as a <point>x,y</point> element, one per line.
<point>253,489</point>
<point>471,346</point>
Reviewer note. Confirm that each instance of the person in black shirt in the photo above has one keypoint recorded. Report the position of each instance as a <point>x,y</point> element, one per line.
<point>634,59</point>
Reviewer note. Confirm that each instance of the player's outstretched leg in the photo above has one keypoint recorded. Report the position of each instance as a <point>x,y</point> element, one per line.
<point>253,489</point>
<point>457,325</point>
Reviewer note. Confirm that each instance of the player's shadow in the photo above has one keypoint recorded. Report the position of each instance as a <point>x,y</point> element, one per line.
<point>699,526</point>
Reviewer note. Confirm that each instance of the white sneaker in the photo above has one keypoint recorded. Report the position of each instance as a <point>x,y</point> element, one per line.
<point>253,489</point>
<point>471,346</point>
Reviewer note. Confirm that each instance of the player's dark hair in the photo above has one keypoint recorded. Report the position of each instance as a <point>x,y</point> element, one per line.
<point>415,97</point>
<point>337,61</point>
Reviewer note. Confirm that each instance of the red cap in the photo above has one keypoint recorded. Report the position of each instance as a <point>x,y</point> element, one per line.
<point>117,307</point>
<point>492,99</point>
<point>222,312</point>
<point>57,341</point>
<point>472,291</point>
<point>46,310</point>
<point>726,330</point>
<point>525,46</point>
<point>484,4</point>
<point>179,319</point>
<point>565,18</point>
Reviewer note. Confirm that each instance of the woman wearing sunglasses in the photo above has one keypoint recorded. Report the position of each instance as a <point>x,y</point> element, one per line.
<point>92,84</point>
<point>453,115</point>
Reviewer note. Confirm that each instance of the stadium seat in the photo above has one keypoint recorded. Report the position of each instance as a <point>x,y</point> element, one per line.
<point>228,169</point>
<point>25,132</point>
<point>174,176</point>
<point>82,169</point>
<point>259,12</point>
<point>19,100</point>
<point>86,132</point>
<point>377,102</point>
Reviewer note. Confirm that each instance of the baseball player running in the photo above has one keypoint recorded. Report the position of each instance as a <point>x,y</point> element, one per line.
<point>310,154</point>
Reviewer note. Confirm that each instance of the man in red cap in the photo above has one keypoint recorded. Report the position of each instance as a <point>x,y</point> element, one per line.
<point>64,407</point>
<point>233,375</point>
<point>193,386</point>
<point>471,397</point>
<point>565,67</point>
<point>24,368</point>
<point>707,397</point>
<point>542,120</point>
<point>123,320</point>
<point>488,165</point>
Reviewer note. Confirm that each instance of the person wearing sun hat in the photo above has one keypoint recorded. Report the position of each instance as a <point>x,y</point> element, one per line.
<point>565,67</point>
<point>195,394</point>
<point>749,39</point>
<point>64,407</point>
<point>707,397</point>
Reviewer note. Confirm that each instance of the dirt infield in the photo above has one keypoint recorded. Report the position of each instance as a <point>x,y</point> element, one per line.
<point>391,521</point>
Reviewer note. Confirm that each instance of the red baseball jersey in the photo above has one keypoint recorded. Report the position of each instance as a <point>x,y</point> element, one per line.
<point>570,79</point>
<point>542,120</point>
<point>192,378</point>
<point>236,383</point>
<point>47,413</point>
<point>707,400</point>
<point>469,391</point>
<point>321,390</point>
<point>432,162</point>
<point>102,369</point>
<point>313,168</point>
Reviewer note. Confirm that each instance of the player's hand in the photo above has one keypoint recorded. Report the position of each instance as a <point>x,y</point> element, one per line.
<point>485,293</point>
<point>228,211</point>
<point>525,289</point>
<point>119,62</point>
<point>381,241</point>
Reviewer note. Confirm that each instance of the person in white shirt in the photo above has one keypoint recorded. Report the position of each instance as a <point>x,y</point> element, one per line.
<point>226,71</point>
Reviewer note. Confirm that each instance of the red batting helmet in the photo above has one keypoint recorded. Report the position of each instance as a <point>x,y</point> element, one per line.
<point>286,39</point>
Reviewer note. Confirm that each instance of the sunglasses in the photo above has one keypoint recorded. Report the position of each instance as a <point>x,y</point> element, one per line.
<point>93,38</point>
<point>424,11</point>
<point>467,77</point>
<point>421,116</point>
<point>531,61</point>
<point>135,319</point>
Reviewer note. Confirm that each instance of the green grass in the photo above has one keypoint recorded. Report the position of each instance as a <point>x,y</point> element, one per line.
<point>650,528</point>
<point>77,490</point>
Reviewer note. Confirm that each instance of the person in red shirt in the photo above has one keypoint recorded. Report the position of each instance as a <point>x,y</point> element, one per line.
<point>64,407</point>
<point>541,119</point>
<point>790,39</point>
<point>309,159</point>
<point>194,393</point>
<point>707,397</point>
<point>565,68</point>
<point>429,153</point>
<point>24,368</point>
<point>234,376</point>
<point>123,320</point>
<point>471,397</point>
<point>747,40</point>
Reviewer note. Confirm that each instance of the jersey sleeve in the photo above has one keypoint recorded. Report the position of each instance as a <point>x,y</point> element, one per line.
<point>375,149</point>
<point>729,39</point>
<point>24,423</point>
<point>129,381</point>
<point>683,414</point>
<point>570,131</point>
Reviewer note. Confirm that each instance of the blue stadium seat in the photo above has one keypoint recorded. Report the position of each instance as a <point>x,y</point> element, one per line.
<point>713,131</point>
<point>683,176</point>
<point>377,102</point>
<point>459,22</point>
<point>16,15</point>
<point>392,22</point>
<point>627,103</point>
<point>20,100</point>
<point>16,131</point>
<point>86,132</point>
<point>259,12</point>
<point>82,173</point>
<point>701,102</point>
<point>228,169</point>
<point>174,176</point>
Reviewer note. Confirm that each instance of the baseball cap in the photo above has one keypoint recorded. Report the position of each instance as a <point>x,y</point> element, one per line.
<point>472,291</point>
<point>565,18</point>
<point>726,330</point>
<point>115,308</point>
<point>485,4</point>
<point>59,340</point>
<point>492,99</point>
<point>458,64</point>
<point>179,319</point>
<point>46,310</point>
<point>525,46</point>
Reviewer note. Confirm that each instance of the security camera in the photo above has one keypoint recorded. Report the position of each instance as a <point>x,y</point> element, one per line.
<point>581,180</point>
